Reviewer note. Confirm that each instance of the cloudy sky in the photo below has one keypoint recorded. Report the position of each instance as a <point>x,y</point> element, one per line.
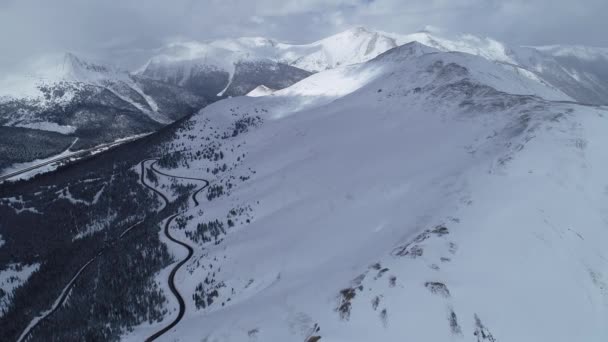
<point>99,27</point>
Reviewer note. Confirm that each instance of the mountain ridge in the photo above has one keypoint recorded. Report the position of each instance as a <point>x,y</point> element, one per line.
<point>375,188</point>
<point>581,80</point>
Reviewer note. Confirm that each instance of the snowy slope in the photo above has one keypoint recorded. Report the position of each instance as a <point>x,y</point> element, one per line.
<point>579,71</point>
<point>424,195</point>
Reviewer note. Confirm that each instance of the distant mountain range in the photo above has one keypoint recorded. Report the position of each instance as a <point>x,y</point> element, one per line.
<point>579,72</point>
<point>97,103</point>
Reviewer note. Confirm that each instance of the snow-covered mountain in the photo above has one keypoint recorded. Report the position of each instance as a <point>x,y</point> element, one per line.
<point>349,47</point>
<point>86,101</point>
<point>58,80</point>
<point>579,72</point>
<point>422,195</point>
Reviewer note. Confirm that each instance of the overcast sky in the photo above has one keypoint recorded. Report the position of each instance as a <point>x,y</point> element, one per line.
<point>30,27</point>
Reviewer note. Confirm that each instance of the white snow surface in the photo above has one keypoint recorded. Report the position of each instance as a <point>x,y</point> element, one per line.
<point>423,195</point>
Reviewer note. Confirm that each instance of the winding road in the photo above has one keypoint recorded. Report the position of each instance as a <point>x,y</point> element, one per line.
<point>182,305</point>
<point>171,281</point>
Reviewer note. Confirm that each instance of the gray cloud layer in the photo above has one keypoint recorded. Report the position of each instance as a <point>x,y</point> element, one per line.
<point>104,27</point>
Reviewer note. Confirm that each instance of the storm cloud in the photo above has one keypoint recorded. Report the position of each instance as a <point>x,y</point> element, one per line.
<point>124,29</point>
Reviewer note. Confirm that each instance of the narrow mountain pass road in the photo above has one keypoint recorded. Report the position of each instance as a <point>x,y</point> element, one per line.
<point>167,232</point>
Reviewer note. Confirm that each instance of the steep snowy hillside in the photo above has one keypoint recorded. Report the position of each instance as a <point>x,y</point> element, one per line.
<point>424,195</point>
